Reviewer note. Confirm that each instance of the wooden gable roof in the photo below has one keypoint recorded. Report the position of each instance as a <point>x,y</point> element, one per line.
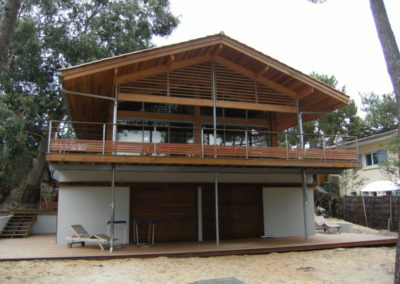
<point>101,77</point>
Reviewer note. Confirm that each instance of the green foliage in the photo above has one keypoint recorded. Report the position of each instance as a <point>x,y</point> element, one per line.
<point>350,179</point>
<point>54,34</point>
<point>343,121</point>
<point>15,156</point>
<point>381,113</point>
<point>391,167</point>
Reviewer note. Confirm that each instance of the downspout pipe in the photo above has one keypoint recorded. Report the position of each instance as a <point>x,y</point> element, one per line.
<point>300,121</point>
<point>115,109</point>
<point>89,95</point>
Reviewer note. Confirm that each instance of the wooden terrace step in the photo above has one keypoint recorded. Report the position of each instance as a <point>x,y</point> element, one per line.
<point>19,226</point>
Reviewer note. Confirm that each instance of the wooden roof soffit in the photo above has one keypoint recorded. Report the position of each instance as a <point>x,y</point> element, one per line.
<point>135,57</point>
<point>262,72</point>
<point>171,60</point>
<point>285,69</point>
<point>217,50</point>
<point>305,92</point>
<point>259,78</point>
<point>219,44</point>
<point>171,65</point>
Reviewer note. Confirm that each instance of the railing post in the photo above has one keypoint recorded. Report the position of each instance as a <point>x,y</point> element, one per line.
<point>202,142</point>
<point>287,146</point>
<point>324,146</point>
<point>104,138</point>
<point>154,140</point>
<point>247,144</point>
<point>49,137</point>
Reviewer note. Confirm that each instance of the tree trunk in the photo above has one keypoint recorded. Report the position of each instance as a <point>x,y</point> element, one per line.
<point>389,47</point>
<point>7,27</point>
<point>32,185</point>
<point>392,57</point>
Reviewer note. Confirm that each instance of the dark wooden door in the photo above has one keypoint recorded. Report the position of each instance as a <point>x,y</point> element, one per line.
<point>240,211</point>
<point>173,208</point>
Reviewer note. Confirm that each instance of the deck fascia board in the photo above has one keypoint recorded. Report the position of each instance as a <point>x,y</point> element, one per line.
<point>95,159</point>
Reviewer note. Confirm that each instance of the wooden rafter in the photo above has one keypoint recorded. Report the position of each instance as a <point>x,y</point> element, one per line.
<point>260,79</point>
<point>175,64</point>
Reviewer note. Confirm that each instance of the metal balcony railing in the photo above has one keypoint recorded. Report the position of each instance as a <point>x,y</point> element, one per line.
<point>165,140</point>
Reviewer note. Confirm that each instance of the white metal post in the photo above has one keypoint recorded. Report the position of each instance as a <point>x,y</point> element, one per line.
<point>202,142</point>
<point>49,138</point>
<point>115,114</point>
<point>154,140</point>
<point>324,146</point>
<point>247,143</point>
<point>287,146</point>
<point>300,122</point>
<point>104,137</point>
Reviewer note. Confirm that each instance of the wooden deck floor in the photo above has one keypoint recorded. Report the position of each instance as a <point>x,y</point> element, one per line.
<point>44,247</point>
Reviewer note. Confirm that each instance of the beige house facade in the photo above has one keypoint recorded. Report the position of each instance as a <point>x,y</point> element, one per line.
<point>372,155</point>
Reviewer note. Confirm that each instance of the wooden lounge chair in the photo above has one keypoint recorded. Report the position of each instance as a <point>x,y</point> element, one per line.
<point>322,224</point>
<point>81,236</point>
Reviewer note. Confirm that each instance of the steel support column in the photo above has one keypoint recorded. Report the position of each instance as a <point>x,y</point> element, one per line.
<point>305,203</point>
<point>199,214</point>
<point>214,98</point>
<point>115,114</point>
<point>216,210</point>
<point>112,209</point>
<point>300,123</point>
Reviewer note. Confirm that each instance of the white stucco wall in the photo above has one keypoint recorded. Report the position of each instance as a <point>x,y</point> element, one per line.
<point>45,224</point>
<point>283,212</point>
<point>91,207</point>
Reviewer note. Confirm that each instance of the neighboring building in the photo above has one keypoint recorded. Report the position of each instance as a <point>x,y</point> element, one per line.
<point>197,145</point>
<point>372,154</point>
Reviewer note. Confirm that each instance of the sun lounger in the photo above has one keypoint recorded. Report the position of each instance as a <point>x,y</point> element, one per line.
<point>81,236</point>
<point>322,224</point>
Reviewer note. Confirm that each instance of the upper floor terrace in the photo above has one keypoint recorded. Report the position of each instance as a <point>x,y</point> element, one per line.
<point>162,144</point>
<point>211,101</point>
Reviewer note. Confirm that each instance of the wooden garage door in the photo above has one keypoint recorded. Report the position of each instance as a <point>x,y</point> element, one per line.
<point>173,207</point>
<point>240,211</point>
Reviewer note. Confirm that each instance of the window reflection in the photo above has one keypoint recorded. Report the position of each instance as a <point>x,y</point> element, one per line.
<point>231,135</point>
<point>155,132</point>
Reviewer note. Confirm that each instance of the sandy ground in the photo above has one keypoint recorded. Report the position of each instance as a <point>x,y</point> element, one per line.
<point>353,265</point>
<point>358,265</point>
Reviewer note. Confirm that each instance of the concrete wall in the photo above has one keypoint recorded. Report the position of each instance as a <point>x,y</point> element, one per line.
<point>90,207</point>
<point>45,224</point>
<point>3,221</point>
<point>283,212</point>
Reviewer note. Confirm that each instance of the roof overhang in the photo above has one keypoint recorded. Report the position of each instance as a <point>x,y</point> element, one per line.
<point>100,77</point>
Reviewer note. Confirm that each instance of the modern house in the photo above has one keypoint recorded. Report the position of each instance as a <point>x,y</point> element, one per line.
<point>372,155</point>
<point>192,137</point>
